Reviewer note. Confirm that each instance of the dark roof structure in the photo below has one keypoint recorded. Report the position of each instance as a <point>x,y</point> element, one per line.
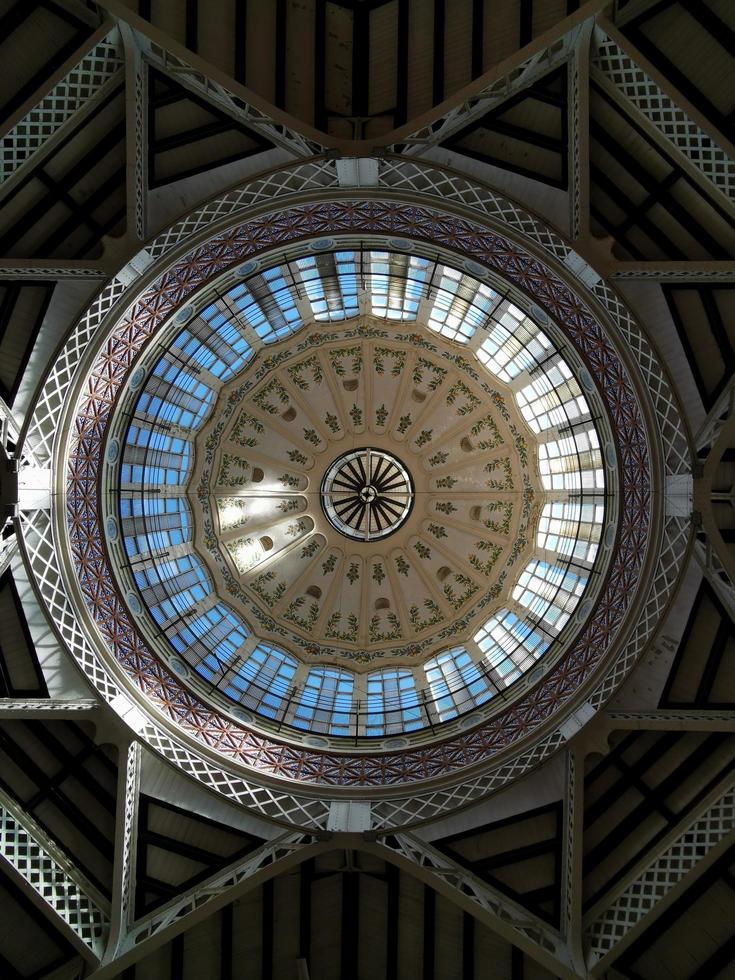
<point>367,565</point>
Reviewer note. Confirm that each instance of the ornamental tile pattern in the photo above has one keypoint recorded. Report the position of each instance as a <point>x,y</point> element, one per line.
<point>116,360</point>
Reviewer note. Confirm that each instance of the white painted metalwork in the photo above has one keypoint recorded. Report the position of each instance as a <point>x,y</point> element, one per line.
<point>637,898</point>
<point>152,931</point>
<point>136,132</point>
<point>505,917</point>
<point>615,65</point>
<point>53,877</point>
<point>48,708</point>
<point>79,89</point>
<point>126,844</point>
<point>402,178</point>
<point>501,89</point>
<point>233,104</point>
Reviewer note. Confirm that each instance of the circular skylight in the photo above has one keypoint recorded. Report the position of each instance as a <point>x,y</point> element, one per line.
<point>377,589</point>
<point>367,494</point>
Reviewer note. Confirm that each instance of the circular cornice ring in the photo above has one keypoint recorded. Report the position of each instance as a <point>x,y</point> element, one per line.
<point>475,747</point>
<point>165,297</point>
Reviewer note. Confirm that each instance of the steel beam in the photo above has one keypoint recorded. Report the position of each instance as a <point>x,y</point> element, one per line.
<point>74,90</point>
<point>162,926</point>
<point>503,916</point>
<point>48,709</point>
<point>51,880</point>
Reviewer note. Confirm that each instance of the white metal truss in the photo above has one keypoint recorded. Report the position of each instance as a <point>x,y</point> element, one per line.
<point>571,885</point>
<point>499,90</point>
<point>52,877</point>
<point>45,269</point>
<point>613,64</point>
<point>79,90</point>
<point>672,720</point>
<point>503,916</point>
<point>613,928</point>
<point>126,844</point>
<point>578,129</point>
<point>192,74</point>
<point>716,574</point>
<point>709,271</point>
<point>154,930</point>
<point>51,709</point>
<point>136,133</point>
<point>9,432</point>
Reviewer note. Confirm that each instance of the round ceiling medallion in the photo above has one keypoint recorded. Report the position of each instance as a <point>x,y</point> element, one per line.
<point>367,494</point>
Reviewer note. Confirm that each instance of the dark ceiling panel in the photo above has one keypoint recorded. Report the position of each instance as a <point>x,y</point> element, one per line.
<point>188,135</point>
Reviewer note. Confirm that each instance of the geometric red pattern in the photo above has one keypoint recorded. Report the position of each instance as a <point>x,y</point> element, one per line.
<point>113,365</point>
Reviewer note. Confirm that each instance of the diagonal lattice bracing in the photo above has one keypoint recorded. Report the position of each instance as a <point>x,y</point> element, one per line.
<point>76,90</point>
<point>504,916</point>
<point>47,871</point>
<point>655,882</point>
<point>669,119</point>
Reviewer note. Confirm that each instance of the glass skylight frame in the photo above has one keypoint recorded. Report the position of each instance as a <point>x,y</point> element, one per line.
<point>403,293</point>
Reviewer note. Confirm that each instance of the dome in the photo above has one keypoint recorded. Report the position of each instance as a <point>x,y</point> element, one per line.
<point>382,522</point>
<point>366,566</point>
<point>209,406</point>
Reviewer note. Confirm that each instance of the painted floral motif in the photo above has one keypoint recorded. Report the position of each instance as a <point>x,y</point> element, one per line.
<point>521,448</point>
<point>310,549</point>
<point>470,403</point>
<point>378,573</point>
<point>437,374</point>
<point>297,528</point>
<point>455,600</point>
<point>246,421</point>
<point>403,423</point>
<point>402,565</point>
<point>333,631</point>
<point>289,481</point>
<point>286,506</point>
<point>398,357</point>
<point>356,416</point>
<point>258,585</point>
<point>296,456</point>
<point>329,564</point>
<point>293,615</point>
<point>422,550</point>
<point>393,633</point>
<point>499,526</point>
<point>423,437</point>
<point>488,426</point>
<point>240,552</point>
<point>331,423</point>
<point>264,398</point>
<point>434,616</point>
<point>311,437</point>
<point>438,459</point>
<point>381,416</point>
<point>492,551</point>
<point>313,366</point>
<point>232,512</point>
<point>504,465</point>
<point>340,354</point>
<point>437,530</point>
<point>445,507</point>
<point>234,471</point>
<point>446,483</point>
<point>353,573</point>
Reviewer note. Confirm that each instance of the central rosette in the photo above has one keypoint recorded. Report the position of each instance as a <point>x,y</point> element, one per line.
<point>365,493</point>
